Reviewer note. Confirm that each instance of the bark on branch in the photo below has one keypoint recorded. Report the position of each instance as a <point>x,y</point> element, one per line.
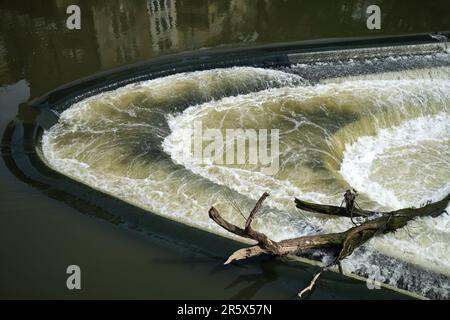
<point>331,210</point>
<point>340,244</point>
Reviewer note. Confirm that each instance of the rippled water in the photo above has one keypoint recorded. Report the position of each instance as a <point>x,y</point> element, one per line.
<point>385,134</point>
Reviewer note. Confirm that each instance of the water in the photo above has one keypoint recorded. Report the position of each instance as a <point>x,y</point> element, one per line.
<point>343,121</point>
<point>362,133</point>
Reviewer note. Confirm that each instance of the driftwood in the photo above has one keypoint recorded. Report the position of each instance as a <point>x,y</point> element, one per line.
<point>340,245</point>
<point>331,210</point>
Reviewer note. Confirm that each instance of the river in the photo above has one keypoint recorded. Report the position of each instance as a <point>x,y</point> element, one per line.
<point>110,187</point>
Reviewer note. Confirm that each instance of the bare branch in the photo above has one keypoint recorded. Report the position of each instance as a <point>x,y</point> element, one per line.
<point>266,243</point>
<point>331,210</point>
<point>312,283</point>
<point>255,210</point>
<point>245,253</point>
<point>341,245</point>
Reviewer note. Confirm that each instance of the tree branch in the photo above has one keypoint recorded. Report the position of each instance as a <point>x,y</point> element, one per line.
<point>341,244</point>
<point>312,284</point>
<point>255,210</point>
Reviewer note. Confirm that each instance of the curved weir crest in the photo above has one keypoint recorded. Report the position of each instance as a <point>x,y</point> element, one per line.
<point>385,133</point>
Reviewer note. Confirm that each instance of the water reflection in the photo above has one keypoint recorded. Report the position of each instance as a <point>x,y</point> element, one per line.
<point>35,44</point>
<point>38,53</point>
<point>163,24</point>
<point>254,282</point>
<point>11,96</point>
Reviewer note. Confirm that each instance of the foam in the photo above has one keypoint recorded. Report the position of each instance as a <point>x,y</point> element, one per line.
<point>129,143</point>
<point>358,161</point>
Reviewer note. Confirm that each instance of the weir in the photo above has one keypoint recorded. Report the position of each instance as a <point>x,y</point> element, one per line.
<point>123,133</point>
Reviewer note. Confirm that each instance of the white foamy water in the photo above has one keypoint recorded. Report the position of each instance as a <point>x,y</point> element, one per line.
<point>405,166</point>
<point>373,163</point>
<point>388,138</point>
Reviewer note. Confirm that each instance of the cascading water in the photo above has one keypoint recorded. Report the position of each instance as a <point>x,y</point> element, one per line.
<point>386,134</point>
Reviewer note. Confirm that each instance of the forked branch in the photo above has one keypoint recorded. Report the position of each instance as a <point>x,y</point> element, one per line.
<point>341,245</point>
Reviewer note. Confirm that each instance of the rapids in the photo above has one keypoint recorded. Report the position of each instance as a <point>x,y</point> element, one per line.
<point>387,134</point>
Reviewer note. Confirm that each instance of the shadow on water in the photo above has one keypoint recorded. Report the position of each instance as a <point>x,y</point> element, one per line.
<point>177,261</point>
<point>192,248</point>
<point>34,40</point>
<point>256,281</point>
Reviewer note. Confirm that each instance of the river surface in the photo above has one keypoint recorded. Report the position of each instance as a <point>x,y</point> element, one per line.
<point>111,186</point>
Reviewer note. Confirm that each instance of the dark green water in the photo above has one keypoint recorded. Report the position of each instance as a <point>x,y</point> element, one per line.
<point>49,222</point>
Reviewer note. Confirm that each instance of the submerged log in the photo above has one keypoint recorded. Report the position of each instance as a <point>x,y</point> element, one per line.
<point>331,210</point>
<point>341,244</point>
